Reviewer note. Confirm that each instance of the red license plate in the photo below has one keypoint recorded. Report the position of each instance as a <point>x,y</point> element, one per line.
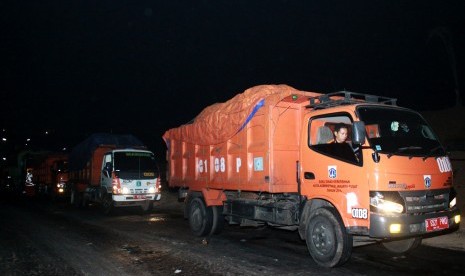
<point>434,224</point>
<point>139,196</point>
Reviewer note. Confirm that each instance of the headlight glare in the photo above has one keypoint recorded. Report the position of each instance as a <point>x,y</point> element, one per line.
<point>385,206</point>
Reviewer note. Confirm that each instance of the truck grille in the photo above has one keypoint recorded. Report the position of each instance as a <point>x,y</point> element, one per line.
<point>425,201</point>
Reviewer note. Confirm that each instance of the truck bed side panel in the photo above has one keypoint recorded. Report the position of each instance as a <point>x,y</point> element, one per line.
<point>261,156</point>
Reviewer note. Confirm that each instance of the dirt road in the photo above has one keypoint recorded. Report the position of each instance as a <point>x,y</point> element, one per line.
<point>44,238</point>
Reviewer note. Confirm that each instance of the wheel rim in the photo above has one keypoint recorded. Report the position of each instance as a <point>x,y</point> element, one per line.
<point>323,238</point>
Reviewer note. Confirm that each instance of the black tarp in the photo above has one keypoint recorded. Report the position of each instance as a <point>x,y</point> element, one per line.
<point>82,152</point>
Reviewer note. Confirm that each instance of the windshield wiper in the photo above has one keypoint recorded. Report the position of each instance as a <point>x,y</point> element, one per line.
<point>431,152</point>
<point>400,150</point>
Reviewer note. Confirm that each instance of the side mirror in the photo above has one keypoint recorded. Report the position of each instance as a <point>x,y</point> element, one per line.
<point>108,167</point>
<point>358,133</point>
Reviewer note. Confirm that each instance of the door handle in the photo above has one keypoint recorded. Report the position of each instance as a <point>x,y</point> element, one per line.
<point>309,175</point>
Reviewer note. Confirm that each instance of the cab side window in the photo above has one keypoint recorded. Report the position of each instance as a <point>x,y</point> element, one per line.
<point>330,135</point>
<point>106,165</point>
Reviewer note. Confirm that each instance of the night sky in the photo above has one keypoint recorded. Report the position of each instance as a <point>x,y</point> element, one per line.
<point>73,68</point>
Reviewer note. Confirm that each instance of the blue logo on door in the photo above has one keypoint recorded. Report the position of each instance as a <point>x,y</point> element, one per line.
<point>138,183</point>
<point>332,171</point>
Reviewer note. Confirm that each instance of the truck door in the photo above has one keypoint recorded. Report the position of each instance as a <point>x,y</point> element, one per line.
<point>333,170</point>
<point>106,172</point>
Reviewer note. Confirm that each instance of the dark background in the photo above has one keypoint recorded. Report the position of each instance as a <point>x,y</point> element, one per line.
<point>72,68</point>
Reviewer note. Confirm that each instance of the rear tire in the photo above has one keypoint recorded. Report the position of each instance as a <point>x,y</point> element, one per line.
<point>107,204</point>
<point>402,246</point>
<point>218,219</point>
<point>327,239</point>
<point>76,198</point>
<point>200,217</point>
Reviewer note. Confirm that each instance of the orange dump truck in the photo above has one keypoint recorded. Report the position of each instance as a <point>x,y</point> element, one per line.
<point>266,157</point>
<point>52,175</point>
<point>113,171</point>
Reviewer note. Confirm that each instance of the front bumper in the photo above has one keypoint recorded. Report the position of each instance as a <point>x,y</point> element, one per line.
<point>136,199</point>
<point>410,225</point>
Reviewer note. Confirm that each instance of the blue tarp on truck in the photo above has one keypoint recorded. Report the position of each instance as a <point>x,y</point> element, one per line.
<point>82,152</point>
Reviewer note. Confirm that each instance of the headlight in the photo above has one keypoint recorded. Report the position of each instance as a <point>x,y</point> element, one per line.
<point>125,190</point>
<point>151,190</point>
<point>378,201</point>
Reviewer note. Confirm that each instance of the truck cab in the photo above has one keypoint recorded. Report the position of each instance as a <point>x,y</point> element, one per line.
<point>391,181</point>
<point>130,177</point>
<point>113,170</point>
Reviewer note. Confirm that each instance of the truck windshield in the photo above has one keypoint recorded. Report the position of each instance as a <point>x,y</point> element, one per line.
<point>397,131</point>
<point>135,165</point>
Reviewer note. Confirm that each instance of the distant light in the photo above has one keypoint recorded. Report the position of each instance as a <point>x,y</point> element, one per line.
<point>64,149</point>
<point>4,139</point>
<point>28,139</point>
<point>4,158</point>
<point>46,132</point>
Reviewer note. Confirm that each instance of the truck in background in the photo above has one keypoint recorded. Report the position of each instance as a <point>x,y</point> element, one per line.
<point>28,165</point>
<point>263,157</point>
<point>114,171</point>
<point>52,175</point>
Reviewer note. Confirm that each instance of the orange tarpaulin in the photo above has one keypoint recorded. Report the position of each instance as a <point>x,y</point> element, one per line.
<point>219,122</point>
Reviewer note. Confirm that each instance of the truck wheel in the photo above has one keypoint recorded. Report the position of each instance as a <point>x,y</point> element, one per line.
<point>76,198</point>
<point>402,246</point>
<point>326,237</point>
<point>84,201</point>
<point>107,204</point>
<point>218,219</point>
<point>72,197</point>
<point>200,217</point>
<point>147,206</point>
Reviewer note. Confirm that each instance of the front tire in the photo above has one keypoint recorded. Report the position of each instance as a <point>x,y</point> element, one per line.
<point>200,217</point>
<point>402,246</point>
<point>326,237</point>
<point>147,206</point>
